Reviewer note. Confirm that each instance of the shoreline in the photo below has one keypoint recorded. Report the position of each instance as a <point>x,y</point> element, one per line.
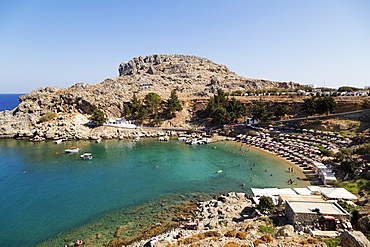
<point>307,173</point>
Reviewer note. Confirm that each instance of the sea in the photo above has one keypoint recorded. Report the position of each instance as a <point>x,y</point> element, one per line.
<point>9,101</point>
<point>51,198</point>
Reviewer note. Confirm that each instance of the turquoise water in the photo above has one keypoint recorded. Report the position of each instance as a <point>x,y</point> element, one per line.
<point>44,193</point>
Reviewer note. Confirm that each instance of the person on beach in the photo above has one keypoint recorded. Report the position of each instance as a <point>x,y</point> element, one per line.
<point>179,235</point>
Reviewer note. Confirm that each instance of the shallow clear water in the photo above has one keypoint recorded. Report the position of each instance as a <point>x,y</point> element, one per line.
<point>44,193</point>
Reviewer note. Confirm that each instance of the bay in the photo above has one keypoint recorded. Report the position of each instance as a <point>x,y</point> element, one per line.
<point>45,192</point>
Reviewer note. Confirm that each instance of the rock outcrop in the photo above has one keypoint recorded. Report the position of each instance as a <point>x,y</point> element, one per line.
<point>226,221</point>
<point>354,239</point>
<point>190,76</point>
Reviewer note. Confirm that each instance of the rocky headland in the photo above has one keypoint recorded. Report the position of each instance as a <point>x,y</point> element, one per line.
<point>194,79</point>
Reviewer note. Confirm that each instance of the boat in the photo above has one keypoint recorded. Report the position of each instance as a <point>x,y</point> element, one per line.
<point>121,122</point>
<point>86,156</point>
<point>72,150</point>
<point>58,141</point>
<point>98,140</point>
<point>136,139</point>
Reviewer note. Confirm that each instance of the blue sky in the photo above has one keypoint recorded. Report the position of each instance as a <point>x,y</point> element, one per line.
<point>59,43</point>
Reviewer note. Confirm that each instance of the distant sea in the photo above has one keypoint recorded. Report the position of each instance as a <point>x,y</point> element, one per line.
<point>9,101</point>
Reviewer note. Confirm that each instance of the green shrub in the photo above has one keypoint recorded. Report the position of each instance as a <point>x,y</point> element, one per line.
<point>331,242</point>
<point>48,116</point>
<point>266,229</point>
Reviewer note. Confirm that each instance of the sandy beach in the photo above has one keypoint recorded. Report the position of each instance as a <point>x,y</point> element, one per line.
<point>302,172</point>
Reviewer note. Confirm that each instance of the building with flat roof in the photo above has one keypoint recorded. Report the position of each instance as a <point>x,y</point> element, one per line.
<point>324,213</point>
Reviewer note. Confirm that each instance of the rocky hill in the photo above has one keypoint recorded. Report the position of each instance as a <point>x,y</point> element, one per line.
<point>194,78</point>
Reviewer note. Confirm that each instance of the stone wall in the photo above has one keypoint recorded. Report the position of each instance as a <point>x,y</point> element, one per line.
<point>304,218</point>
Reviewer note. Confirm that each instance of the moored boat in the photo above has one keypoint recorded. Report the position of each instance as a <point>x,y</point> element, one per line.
<point>86,156</point>
<point>72,150</point>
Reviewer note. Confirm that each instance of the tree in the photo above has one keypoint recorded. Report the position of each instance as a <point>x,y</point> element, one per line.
<point>259,112</point>
<point>347,89</point>
<point>266,203</point>
<point>309,106</point>
<point>173,103</point>
<point>142,113</point>
<point>153,100</point>
<point>280,111</point>
<point>217,107</point>
<point>223,110</point>
<point>133,107</point>
<point>325,104</point>
<point>235,109</point>
<point>365,104</point>
<point>98,117</point>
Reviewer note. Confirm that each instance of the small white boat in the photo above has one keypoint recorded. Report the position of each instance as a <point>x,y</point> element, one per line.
<point>136,139</point>
<point>86,156</point>
<point>72,150</point>
<point>58,141</point>
<point>99,140</point>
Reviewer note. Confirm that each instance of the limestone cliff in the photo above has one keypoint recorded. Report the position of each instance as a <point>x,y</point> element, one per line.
<point>191,76</point>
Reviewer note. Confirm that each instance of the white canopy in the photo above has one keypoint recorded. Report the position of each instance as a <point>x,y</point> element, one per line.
<point>303,191</point>
<point>272,192</point>
<point>337,193</point>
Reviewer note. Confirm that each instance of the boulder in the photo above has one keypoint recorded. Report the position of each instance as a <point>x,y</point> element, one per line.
<point>286,231</point>
<point>363,224</point>
<point>354,239</point>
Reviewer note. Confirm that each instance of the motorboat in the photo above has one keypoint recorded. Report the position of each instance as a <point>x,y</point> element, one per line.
<point>86,156</point>
<point>98,140</point>
<point>72,150</point>
<point>136,139</point>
